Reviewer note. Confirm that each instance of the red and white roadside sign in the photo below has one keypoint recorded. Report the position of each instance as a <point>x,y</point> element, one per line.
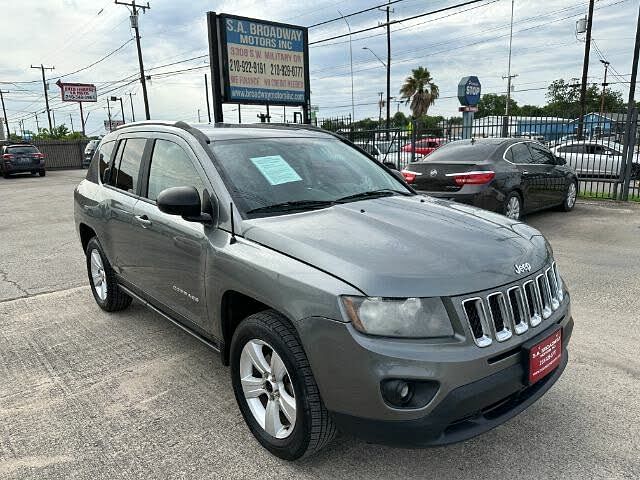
<point>78,92</point>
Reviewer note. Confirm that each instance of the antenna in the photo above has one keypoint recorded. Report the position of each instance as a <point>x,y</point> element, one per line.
<point>233,228</point>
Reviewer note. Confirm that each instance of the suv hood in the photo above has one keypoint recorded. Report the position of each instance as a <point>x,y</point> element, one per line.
<point>404,247</point>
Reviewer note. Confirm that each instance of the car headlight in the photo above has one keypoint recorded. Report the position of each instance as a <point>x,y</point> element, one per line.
<point>404,317</point>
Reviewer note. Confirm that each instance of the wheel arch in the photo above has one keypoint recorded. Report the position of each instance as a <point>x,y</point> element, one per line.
<point>86,234</point>
<point>234,308</point>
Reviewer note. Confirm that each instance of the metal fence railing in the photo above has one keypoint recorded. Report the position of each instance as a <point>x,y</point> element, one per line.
<point>61,154</point>
<point>601,147</point>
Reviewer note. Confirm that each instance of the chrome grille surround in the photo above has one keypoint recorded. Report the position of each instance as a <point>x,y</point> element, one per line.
<point>501,314</point>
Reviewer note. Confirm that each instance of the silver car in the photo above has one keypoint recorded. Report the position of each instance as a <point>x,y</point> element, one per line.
<point>339,297</point>
<point>596,158</point>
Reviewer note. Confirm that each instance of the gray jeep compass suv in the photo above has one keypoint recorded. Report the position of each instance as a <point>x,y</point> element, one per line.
<point>339,297</point>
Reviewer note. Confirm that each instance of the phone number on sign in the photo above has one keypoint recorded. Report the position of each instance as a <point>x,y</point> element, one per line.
<point>278,70</point>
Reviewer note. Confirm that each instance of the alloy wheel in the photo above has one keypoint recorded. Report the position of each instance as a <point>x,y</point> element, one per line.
<point>513,208</point>
<point>98,275</point>
<point>571,195</point>
<point>267,388</point>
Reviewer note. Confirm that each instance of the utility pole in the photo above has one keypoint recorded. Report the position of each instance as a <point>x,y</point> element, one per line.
<point>585,71</point>
<point>134,25</point>
<point>46,94</point>
<point>133,114</point>
<point>380,102</point>
<point>388,123</point>
<point>71,120</point>
<point>37,123</point>
<point>53,113</point>
<point>632,116</point>
<point>109,114</point>
<point>206,92</point>
<point>505,122</point>
<point>604,85</point>
<point>115,99</point>
<point>4,111</point>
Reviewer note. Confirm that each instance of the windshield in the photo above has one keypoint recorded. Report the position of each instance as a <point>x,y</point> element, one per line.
<point>269,175</point>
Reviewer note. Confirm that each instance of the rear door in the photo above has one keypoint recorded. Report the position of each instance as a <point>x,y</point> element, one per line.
<point>554,178</point>
<point>533,177</point>
<point>171,254</point>
<point>124,189</point>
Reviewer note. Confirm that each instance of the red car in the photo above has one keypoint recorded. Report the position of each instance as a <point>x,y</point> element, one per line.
<point>425,146</point>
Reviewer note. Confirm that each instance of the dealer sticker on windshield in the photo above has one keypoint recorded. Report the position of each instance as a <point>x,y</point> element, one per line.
<point>276,169</point>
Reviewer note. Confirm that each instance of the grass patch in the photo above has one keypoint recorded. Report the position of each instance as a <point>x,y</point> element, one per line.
<point>605,196</point>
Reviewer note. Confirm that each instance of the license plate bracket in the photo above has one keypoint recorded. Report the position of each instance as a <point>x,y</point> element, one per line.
<point>543,355</point>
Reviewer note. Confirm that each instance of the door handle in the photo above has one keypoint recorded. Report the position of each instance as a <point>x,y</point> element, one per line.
<point>525,172</point>
<point>143,220</point>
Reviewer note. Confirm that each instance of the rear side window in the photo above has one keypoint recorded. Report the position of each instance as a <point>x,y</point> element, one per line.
<point>100,161</point>
<point>520,153</point>
<point>540,154</point>
<point>171,167</point>
<point>125,177</point>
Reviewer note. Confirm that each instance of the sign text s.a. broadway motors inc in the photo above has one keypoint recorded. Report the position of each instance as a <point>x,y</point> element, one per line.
<point>264,62</point>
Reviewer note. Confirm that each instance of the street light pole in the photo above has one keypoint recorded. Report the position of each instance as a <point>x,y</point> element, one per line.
<point>133,113</point>
<point>353,111</point>
<point>505,123</point>
<point>114,99</point>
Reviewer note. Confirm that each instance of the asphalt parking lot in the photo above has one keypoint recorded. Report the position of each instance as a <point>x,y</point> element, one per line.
<point>88,395</point>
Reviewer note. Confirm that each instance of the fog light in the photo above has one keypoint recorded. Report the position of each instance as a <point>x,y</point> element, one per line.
<point>397,392</point>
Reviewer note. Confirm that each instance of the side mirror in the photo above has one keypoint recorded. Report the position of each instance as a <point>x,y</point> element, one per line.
<point>183,201</point>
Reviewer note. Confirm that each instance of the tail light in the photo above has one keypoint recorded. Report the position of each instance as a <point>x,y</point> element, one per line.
<point>37,155</point>
<point>472,178</point>
<point>7,156</point>
<point>409,176</point>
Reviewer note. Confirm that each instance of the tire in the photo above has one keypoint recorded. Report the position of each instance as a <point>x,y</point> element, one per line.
<point>6,174</point>
<point>110,298</point>
<point>513,206</point>
<point>42,172</point>
<point>33,172</point>
<point>312,428</point>
<point>570,197</point>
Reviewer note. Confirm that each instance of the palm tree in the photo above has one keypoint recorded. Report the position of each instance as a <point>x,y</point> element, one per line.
<point>420,91</point>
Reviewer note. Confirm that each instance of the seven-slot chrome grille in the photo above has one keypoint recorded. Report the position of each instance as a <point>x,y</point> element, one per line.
<point>502,314</point>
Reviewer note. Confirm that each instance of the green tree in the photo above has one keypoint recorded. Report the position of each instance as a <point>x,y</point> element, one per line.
<point>563,99</point>
<point>419,91</point>
<point>492,104</point>
<point>399,120</point>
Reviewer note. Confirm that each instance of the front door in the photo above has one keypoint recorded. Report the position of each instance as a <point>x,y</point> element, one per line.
<point>172,252</point>
<point>553,179</point>
<point>532,176</point>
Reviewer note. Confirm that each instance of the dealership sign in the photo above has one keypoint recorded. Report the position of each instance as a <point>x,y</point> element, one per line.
<point>469,91</point>
<point>77,92</point>
<point>258,62</point>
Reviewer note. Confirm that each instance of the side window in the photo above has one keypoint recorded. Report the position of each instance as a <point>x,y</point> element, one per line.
<point>520,153</point>
<point>508,155</point>
<point>125,177</point>
<point>171,167</point>
<point>105,153</point>
<point>540,154</point>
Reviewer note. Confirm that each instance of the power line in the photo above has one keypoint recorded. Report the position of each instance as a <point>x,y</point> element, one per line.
<point>98,61</point>
<point>432,12</point>
<point>354,13</point>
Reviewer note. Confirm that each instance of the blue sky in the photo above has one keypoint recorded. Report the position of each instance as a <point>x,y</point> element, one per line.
<point>472,40</point>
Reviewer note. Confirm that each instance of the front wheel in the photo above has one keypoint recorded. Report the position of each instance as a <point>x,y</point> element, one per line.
<point>513,206</point>
<point>42,172</point>
<point>570,197</point>
<point>275,388</point>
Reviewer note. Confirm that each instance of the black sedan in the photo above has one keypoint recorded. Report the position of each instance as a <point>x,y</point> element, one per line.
<point>507,175</point>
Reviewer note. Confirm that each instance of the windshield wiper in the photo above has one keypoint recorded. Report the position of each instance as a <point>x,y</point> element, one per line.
<point>384,192</point>
<point>291,206</point>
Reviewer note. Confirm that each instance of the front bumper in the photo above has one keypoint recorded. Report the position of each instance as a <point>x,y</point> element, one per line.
<point>479,388</point>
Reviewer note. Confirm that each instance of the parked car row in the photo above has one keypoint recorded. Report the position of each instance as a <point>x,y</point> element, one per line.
<point>596,158</point>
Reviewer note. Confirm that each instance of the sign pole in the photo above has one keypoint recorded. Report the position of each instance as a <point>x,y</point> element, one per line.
<point>214,62</point>
<point>82,118</point>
